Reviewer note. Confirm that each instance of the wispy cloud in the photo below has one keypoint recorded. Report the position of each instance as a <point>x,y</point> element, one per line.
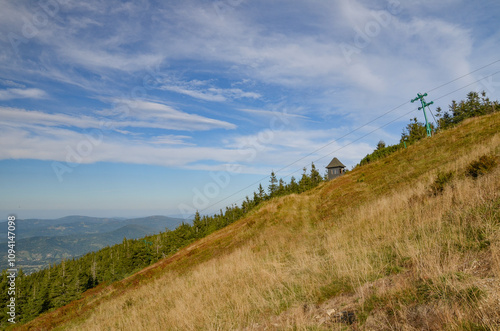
<point>268,113</point>
<point>21,117</point>
<point>204,90</point>
<point>203,95</point>
<point>61,144</point>
<point>22,93</point>
<point>138,114</point>
<point>243,43</point>
<point>53,136</point>
<point>10,83</point>
<point>170,140</point>
<point>96,59</point>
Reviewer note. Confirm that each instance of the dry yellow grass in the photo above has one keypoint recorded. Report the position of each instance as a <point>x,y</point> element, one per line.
<point>375,242</point>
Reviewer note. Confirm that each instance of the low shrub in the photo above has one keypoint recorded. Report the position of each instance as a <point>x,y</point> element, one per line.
<point>481,166</point>
<point>442,179</point>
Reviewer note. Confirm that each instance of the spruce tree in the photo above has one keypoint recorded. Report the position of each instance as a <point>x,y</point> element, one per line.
<point>273,187</point>
<point>315,176</point>
<point>305,181</point>
<point>262,193</point>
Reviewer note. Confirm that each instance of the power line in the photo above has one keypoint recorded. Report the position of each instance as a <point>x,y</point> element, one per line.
<point>391,110</point>
<point>432,115</point>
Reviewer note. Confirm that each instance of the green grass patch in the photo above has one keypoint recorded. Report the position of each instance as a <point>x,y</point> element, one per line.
<point>472,326</point>
<point>371,303</point>
<point>441,290</point>
<point>333,288</point>
<point>390,261</point>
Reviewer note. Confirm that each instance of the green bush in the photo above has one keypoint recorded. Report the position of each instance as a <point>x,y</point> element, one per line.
<point>481,166</point>
<point>442,179</point>
<point>380,153</point>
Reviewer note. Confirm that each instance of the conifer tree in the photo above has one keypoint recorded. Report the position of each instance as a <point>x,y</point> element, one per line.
<point>197,224</point>
<point>304,182</point>
<point>262,193</point>
<point>293,187</point>
<point>315,176</point>
<point>273,187</point>
<point>281,187</point>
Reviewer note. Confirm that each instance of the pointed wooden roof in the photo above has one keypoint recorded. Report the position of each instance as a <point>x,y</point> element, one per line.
<point>335,163</point>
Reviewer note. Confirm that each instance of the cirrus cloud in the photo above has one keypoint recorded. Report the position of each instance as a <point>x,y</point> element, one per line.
<point>22,93</point>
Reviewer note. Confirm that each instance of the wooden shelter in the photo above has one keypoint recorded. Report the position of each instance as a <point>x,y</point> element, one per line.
<point>335,169</point>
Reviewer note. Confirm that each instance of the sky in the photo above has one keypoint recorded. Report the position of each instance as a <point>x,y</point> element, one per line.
<point>136,108</point>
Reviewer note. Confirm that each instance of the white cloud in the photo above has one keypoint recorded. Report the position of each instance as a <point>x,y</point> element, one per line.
<point>20,93</point>
<point>170,140</point>
<point>207,96</point>
<point>10,83</point>
<point>36,135</point>
<point>429,45</point>
<point>204,90</point>
<point>63,145</point>
<point>136,114</point>
<point>21,117</point>
<point>252,42</point>
<point>97,59</point>
<point>271,113</point>
<point>162,116</point>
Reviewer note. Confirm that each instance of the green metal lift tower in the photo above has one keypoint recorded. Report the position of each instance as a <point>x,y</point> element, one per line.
<point>424,104</point>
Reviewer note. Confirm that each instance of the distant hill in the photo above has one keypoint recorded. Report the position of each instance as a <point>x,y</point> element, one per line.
<point>79,225</point>
<point>41,242</point>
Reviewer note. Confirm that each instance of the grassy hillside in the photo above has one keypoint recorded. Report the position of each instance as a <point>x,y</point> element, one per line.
<point>408,242</point>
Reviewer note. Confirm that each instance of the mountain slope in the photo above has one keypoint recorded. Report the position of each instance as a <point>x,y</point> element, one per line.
<point>390,245</point>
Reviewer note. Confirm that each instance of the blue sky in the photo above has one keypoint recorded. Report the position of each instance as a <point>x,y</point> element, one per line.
<point>113,108</point>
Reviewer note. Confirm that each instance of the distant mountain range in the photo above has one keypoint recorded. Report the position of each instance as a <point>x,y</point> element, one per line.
<point>40,242</point>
